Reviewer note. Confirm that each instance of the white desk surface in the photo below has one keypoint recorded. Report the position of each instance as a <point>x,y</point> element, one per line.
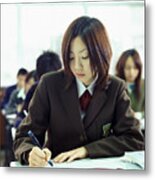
<point>130,161</point>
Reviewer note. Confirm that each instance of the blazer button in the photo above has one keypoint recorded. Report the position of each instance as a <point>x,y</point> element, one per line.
<point>82,138</point>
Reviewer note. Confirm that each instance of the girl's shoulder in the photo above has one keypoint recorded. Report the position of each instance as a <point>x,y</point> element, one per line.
<point>116,80</point>
<point>52,77</point>
<point>114,83</point>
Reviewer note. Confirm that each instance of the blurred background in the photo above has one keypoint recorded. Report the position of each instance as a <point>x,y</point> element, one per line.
<point>29,28</point>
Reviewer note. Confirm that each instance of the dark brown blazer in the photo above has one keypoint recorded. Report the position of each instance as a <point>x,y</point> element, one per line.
<point>108,129</point>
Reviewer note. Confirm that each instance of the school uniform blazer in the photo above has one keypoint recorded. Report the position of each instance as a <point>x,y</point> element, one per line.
<point>108,129</point>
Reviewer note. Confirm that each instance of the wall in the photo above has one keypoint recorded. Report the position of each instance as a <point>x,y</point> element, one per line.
<point>29,28</point>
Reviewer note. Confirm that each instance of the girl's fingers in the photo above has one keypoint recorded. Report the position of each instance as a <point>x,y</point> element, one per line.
<point>37,151</point>
<point>37,157</point>
<point>59,157</point>
<point>38,160</point>
<point>64,156</point>
<point>73,157</point>
<point>47,153</point>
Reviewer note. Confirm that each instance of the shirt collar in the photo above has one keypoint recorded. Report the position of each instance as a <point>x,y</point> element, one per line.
<point>130,87</point>
<point>82,88</point>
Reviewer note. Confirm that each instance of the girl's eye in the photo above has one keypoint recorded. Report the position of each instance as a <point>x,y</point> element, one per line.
<point>85,57</point>
<point>71,58</point>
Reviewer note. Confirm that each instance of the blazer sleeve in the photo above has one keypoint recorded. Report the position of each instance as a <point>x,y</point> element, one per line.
<point>126,134</point>
<point>37,121</point>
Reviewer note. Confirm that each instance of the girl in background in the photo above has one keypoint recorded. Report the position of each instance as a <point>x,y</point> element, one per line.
<point>129,68</point>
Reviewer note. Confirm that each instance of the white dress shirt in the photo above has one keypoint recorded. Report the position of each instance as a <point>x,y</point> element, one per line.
<point>81,88</point>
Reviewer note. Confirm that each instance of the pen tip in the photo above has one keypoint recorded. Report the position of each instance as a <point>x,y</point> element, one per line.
<point>50,163</point>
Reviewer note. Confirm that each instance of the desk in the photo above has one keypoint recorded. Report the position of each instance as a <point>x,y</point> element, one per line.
<point>130,161</point>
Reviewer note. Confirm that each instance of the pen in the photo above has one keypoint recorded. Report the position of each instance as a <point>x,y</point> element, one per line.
<point>36,142</point>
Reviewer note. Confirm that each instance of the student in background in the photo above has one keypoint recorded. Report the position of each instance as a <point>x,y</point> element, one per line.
<point>18,95</point>
<point>48,61</point>
<point>86,111</point>
<point>129,68</point>
<point>31,79</point>
<point>21,75</point>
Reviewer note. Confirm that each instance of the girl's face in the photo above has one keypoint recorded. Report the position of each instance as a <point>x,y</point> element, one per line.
<point>130,71</point>
<point>80,61</point>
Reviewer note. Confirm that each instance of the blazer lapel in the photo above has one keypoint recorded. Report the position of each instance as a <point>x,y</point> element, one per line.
<point>71,104</point>
<point>98,100</point>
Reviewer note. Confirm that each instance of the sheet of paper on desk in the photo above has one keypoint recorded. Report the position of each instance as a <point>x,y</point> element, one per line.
<point>129,161</point>
<point>136,157</point>
<point>110,163</point>
<point>102,163</point>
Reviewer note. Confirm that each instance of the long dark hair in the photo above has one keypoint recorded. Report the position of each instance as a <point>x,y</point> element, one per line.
<point>94,35</point>
<point>121,65</point>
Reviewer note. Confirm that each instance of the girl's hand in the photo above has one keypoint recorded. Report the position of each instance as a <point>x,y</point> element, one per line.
<point>69,156</point>
<point>39,157</point>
